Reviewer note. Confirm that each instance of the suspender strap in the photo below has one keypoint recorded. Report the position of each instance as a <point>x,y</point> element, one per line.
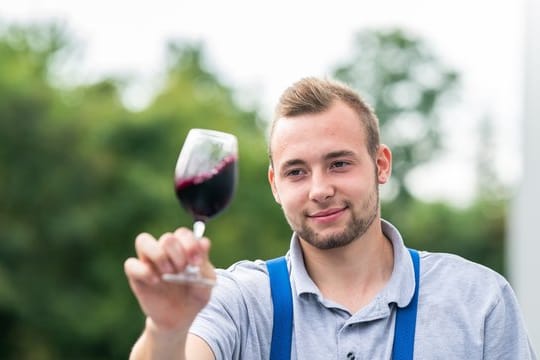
<point>406,319</point>
<point>280,286</point>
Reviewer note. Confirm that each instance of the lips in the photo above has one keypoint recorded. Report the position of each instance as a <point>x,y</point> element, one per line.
<point>326,213</point>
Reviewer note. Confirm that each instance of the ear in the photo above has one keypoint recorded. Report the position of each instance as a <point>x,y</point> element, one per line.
<point>272,181</point>
<point>384,164</point>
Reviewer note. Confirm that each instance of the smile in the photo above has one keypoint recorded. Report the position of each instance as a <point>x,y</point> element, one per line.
<point>327,215</point>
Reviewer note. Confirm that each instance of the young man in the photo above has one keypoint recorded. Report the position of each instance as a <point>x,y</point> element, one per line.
<point>350,272</point>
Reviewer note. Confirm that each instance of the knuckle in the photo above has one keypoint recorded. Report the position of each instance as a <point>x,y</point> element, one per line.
<point>182,232</point>
<point>166,237</point>
<point>168,240</point>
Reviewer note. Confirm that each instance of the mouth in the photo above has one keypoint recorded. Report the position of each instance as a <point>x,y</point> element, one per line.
<point>327,215</point>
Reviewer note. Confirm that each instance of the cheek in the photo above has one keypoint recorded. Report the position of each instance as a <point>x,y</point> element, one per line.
<point>291,198</point>
<point>358,186</point>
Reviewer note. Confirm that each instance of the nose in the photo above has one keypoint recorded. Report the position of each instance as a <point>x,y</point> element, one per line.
<point>321,188</point>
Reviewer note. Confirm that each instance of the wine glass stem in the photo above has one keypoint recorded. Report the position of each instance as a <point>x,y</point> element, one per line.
<point>198,229</point>
<point>198,232</point>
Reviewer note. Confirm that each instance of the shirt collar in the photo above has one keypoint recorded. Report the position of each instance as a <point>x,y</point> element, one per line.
<point>399,289</point>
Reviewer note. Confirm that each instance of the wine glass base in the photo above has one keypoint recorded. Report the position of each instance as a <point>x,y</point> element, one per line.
<point>188,278</point>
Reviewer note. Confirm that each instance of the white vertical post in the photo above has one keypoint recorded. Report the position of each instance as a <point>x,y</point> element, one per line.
<point>524,234</point>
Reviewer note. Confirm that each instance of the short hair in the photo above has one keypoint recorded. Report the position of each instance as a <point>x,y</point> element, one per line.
<point>314,95</point>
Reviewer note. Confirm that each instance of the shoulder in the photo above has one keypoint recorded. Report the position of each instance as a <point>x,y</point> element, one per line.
<point>469,308</point>
<point>455,267</point>
<point>452,276</point>
<point>244,284</point>
<point>239,312</point>
<point>244,274</point>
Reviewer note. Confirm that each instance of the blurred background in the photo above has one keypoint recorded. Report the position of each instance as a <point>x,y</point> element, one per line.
<point>97,97</point>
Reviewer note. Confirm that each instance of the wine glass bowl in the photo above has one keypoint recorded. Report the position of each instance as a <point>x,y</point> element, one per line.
<point>204,181</point>
<point>205,174</point>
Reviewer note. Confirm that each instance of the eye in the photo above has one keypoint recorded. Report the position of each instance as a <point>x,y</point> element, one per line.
<point>294,173</point>
<point>339,164</point>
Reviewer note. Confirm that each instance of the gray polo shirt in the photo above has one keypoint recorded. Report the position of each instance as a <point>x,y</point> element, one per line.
<point>465,311</point>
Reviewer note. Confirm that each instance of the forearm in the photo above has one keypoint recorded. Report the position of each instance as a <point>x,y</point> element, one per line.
<point>159,344</point>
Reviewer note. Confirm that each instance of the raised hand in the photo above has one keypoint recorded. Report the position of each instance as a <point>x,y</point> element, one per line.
<point>169,306</point>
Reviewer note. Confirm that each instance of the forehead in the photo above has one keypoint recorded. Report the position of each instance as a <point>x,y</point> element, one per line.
<point>338,128</point>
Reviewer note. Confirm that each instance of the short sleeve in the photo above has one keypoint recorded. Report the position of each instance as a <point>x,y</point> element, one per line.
<point>217,323</point>
<point>237,321</point>
<point>505,336</point>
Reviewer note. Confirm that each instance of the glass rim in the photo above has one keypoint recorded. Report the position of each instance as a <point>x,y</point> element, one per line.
<point>211,132</point>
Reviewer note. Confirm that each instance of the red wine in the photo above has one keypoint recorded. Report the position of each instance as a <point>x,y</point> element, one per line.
<point>203,196</point>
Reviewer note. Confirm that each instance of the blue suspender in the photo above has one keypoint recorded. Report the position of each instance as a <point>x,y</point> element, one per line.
<point>405,327</point>
<point>280,287</point>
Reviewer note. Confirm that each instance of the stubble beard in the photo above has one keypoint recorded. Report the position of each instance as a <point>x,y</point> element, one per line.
<point>355,228</point>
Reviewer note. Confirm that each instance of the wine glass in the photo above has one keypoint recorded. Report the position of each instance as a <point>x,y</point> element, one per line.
<point>205,181</point>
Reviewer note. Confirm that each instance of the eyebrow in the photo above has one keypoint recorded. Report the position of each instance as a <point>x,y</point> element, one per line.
<point>292,162</point>
<point>329,156</point>
<point>338,154</point>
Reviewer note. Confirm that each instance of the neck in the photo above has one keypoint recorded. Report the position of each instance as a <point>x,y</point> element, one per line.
<point>352,275</point>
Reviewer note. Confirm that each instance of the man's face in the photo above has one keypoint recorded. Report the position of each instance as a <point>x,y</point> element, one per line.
<point>324,177</point>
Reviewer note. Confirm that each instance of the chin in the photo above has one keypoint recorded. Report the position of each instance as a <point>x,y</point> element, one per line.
<point>328,241</point>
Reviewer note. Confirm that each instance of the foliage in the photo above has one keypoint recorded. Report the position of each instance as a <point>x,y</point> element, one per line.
<point>476,232</point>
<point>399,75</point>
<point>80,176</point>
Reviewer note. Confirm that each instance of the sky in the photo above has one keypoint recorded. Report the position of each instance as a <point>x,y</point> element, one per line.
<point>259,48</point>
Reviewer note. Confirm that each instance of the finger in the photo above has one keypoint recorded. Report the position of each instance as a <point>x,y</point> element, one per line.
<point>204,248</point>
<point>149,250</point>
<point>191,246</point>
<point>174,250</point>
<point>206,266</point>
<point>139,271</point>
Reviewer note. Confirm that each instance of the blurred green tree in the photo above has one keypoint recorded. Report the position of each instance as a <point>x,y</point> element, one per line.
<point>81,176</point>
<point>476,232</point>
<point>56,288</point>
<point>408,87</point>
